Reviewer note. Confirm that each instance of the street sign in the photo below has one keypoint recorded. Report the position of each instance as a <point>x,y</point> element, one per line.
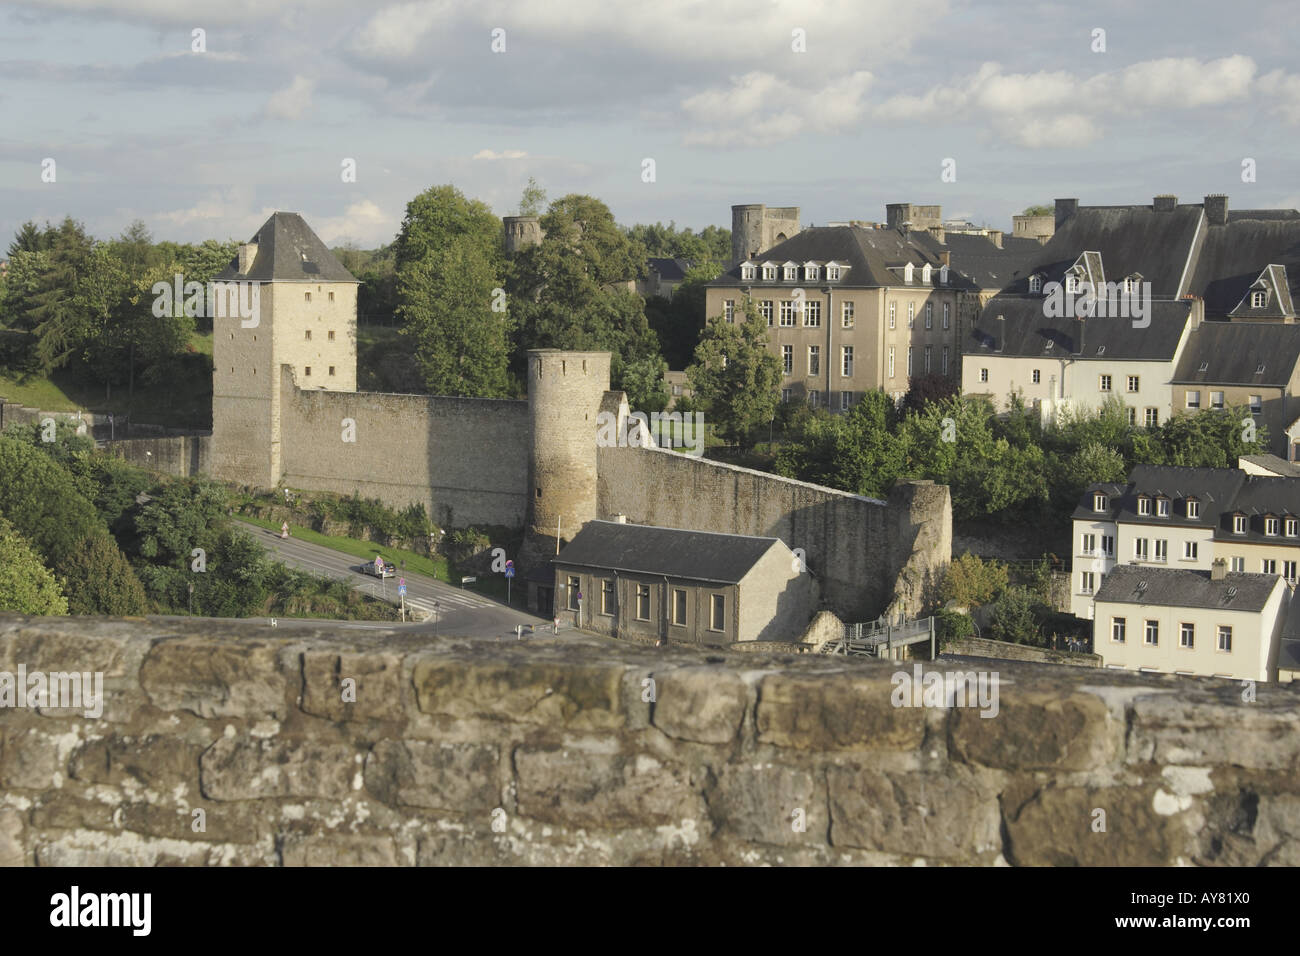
<point>470,580</point>
<point>401,589</point>
<point>510,572</point>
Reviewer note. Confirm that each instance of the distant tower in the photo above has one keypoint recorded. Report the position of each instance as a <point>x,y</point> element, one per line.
<point>565,391</point>
<point>755,227</point>
<point>522,232</point>
<point>307,320</point>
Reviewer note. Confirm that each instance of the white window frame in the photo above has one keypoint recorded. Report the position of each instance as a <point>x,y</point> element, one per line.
<point>846,361</point>
<point>787,359</point>
<point>1151,633</point>
<point>1118,628</point>
<point>1104,383</point>
<point>847,314</point>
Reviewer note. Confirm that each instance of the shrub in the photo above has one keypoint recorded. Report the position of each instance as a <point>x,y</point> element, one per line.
<point>1013,618</point>
<point>98,580</point>
<point>971,582</point>
<point>952,626</point>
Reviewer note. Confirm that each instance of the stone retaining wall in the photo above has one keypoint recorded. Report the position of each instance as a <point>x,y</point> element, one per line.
<point>556,752</point>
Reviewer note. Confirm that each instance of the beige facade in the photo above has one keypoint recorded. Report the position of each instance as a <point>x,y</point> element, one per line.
<point>883,329</point>
<point>1251,635</point>
<point>1277,406</point>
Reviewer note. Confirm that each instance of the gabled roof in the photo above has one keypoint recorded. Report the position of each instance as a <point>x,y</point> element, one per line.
<point>1214,489</point>
<point>1127,238</point>
<point>1173,587</point>
<point>1025,331</point>
<point>644,549</point>
<point>1234,254</point>
<point>978,259</point>
<point>671,270</point>
<point>1232,352</point>
<point>288,251</point>
<point>1274,464</point>
<point>1277,296</point>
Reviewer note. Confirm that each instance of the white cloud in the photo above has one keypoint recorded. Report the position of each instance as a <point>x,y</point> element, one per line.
<point>1285,88</point>
<point>759,107</point>
<point>292,101</point>
<point>226,212</point>
<point>400,31</point>
<point>362,222</point>
<point>504,154</point>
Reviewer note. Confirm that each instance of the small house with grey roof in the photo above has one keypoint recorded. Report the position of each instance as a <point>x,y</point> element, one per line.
<point>645,583</point>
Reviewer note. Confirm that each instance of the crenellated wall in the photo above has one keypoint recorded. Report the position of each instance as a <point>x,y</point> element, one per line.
<point>460,752</point>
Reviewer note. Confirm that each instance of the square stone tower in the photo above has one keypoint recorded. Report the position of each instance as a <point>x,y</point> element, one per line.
<point>305,324</point>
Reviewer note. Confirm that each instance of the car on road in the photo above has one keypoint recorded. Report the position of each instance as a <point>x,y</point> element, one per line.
<point>386,570</point>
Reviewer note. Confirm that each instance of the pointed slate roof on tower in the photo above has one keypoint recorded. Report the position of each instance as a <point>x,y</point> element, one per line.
<point>288,251</point>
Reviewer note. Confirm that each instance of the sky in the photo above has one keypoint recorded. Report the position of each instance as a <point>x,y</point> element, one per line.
<point>837,107</point>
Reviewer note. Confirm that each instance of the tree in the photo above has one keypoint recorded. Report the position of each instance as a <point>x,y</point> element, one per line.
<point>534,197</point>
<point>867,458</point>
<point>972,582</point>
<point>1039,211</point>
<point>643,380</point>
<point>40,498</point>
<point>26,584</point>
<point>1012,619</point>
<point>679,322</point>
<point>735,376</point>
<point>449,264</point>
<point>931,387</point>
<point>57,313</point>
<point>98,580</point>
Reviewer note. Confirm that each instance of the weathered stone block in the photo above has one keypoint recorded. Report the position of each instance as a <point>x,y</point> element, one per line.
<point>1170,729</point>
<point>377,692</point>
<point>605,790</point>
<point>953,815</point>
<point>459,778</point>
<point>1036,730</point>
<point>574,694</point>
<point>215,678</point>
<point>62,811</point>
<point>154,760</point>
<point>704,704</point>
<point>765,803</point>
<point>231,822</point>
<point>13,851</point>
<point>244,768</point>
<point>836,712</point>
<point>31,760</point>
<point>339,851</point>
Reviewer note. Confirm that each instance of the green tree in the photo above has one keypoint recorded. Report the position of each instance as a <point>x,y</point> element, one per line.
<point>643,380</point>
<point>41,500</point>
<point>98,579</point>
<point>532,200</point>
<point>449,261</point>
<point>971,582</point>
<point>1039,211</point>
<point>1012,619</point>
<point>59,312</point>
<point>26,584</point>
<point>735,376</point>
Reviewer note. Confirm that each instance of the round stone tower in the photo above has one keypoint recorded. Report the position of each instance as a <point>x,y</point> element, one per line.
<point>521,232</point>
<point>565,391</point>
<point>747,231</point>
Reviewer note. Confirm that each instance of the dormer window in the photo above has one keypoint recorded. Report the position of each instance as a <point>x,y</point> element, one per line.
<point>1292,527</point>
<point>791,272</point>
<point>1257,299</point>
<point>747,272</point>
<point>943,275</point>
<point>811,271</point>
<point>907,272</point>
<point>1098,502</point>
<point>1238,524</point>
<point>1193,508</point>
<point>1130,286</point>
<point>832,273</point>
<point>1144,505</point>
<point>1272,526</point>
<point>1162,507</point>
<point>1071,283</point>
<point>925,273</point>
<point>769,273</point>
<point>1035,284</point>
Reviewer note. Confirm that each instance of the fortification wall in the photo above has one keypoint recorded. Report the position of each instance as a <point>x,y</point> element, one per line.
<point>181,455</point>
<point>856,546</point>
<point>460,752</point>
<point>464,459</point>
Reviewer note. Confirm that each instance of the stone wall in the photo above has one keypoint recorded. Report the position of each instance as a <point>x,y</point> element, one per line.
<point>464,459</point>
<point>182,455</point>
<point>459,752</point>
<point>857,547</point>
<point>1002,650</point>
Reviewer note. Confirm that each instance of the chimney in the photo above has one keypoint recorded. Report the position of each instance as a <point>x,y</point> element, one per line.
<point>1216,209</point>
<point>1002,330</point>
<point>1164,203</point>
<point>938,233</point>
<point>618,519</point>
<point>247,253</point>
<point>1219,569</point>
<point>945,258</point>
<point>1065,208</point>
<point>995,237</point>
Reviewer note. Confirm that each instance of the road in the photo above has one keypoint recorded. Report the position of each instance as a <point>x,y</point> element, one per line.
<point>460,611</point>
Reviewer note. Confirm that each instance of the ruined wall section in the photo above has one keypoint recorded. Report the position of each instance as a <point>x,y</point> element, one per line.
<point>464,459</point>
<point>460,752</point>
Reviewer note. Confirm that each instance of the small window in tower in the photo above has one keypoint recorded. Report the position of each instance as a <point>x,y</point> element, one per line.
<point>306,296</point>
<point>308,370</point>
<point>331,336</point>
<point>307,334</point>
<point>539,492</point>
<point>331,296</point>
<point>331,369</point>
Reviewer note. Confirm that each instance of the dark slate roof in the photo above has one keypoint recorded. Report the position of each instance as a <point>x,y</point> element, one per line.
<point>672,270</point>
<point>1172,587</point>
<point>1128,239</point>
<point>288,251</point>
<point>643,549</point>
<point>1277,296</point>
<point>1214,489</point>
<point>1279,466</point>
<point>1288,654</point>
<point>1025,331</point>
<point>979,260</point>
<point>1234,255</point>
<point>1232,351</point>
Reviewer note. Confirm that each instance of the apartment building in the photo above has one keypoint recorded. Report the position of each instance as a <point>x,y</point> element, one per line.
<point>854,308</point>
<point>1212,623</point>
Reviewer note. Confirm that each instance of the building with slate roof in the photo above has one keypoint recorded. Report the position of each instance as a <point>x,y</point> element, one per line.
<point>1208,623</point>
<point>853,308</point>
<point>1238,269</point>
<point>692,587</point>
<point>663,276</point>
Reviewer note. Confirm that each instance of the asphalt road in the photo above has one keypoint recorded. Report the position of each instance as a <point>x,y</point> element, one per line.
<point>460,611</point>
